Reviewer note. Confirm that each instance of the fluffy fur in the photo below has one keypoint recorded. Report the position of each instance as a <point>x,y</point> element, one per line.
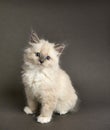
<point>46,82</point>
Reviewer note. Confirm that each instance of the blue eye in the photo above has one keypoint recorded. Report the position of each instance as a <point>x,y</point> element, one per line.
<point>37,54</point>
<point>48,57</point>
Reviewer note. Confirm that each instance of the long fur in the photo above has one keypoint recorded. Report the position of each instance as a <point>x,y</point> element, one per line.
<point>46,83</point>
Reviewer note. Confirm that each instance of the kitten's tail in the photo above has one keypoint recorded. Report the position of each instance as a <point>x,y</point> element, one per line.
<point>76,107</point>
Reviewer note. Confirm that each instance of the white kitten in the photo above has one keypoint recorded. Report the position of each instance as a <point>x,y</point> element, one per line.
<point>45,81</point>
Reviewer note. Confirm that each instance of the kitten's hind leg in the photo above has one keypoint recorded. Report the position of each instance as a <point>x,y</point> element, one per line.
<point>61,109</point>
<point>27,110</point>
<point>65,106</point>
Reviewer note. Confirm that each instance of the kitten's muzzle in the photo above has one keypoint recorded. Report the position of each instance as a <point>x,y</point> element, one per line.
<point>41,61</point>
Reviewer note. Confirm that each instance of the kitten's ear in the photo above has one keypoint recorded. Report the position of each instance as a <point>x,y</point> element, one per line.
<point>59,48</point>
<point>33,37</point>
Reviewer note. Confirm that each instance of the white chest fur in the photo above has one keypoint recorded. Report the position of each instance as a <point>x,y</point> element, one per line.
<point>37,79</point>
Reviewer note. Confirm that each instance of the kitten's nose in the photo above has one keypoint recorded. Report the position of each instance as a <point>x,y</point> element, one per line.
<point>41,61</point>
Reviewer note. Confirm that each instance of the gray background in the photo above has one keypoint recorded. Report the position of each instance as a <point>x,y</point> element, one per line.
<point>85,28</point>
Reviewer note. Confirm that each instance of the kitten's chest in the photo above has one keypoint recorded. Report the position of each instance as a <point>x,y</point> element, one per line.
<point>37,79</point>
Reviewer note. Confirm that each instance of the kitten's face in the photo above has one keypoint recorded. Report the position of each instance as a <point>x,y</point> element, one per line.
<point>42,53</point>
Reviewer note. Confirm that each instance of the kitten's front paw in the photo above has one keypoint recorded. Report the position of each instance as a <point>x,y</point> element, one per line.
<point>27,110</point>
<point>42,120</point>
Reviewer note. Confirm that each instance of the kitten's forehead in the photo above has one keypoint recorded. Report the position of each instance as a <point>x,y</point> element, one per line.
<point>46,48</point>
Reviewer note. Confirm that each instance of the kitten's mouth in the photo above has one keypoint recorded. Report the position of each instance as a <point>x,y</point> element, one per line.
<point>40,64</point>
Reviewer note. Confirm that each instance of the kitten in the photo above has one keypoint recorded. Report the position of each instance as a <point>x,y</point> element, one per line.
<point>45,81</point>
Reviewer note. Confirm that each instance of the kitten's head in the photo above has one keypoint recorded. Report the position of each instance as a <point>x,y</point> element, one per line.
<point>42,53</point>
